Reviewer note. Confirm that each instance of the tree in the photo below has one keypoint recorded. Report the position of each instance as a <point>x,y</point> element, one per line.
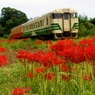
<point>92,21</point>
<point>86,26</point>
<point>11,18</point>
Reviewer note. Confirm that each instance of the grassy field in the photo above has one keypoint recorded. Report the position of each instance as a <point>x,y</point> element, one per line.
<point>35,67</point>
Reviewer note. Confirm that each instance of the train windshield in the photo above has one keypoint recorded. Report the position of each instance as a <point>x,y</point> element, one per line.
<point>74,15</point>
<point>56,15</point>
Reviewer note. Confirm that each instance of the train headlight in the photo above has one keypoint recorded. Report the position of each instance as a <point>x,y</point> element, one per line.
<point>57,10</point>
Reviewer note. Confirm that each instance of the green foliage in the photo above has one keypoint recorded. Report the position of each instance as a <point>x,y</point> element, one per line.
<point>86,26</point>
<point>92,20</point>
<point>11,18</point>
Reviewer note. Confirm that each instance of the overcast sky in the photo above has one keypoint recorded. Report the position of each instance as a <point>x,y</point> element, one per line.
<point>34,8</point>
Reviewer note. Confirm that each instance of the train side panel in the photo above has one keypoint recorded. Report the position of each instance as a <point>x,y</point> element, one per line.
<point>40,26</point>
<point>16,32</point>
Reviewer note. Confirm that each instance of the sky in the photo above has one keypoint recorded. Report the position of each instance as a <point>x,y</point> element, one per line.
<point>35,8</point>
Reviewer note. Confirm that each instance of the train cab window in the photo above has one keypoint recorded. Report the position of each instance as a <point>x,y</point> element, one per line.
<point>49,19</point>
<point>74,15</point>
<point>41,23</point>
<point>65,16</point>
<point>56,15</point>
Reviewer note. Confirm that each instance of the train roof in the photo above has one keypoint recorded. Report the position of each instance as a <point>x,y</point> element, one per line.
<point>63,10</point>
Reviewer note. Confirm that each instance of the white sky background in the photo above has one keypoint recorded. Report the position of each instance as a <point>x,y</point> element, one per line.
<point>34,8</point>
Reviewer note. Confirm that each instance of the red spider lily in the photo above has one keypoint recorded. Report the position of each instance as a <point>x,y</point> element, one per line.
<point>65,68</point>
<point>85,77</point>
<point>75,52</point>
<point>21,91</point>
<point>30,75</point>
<point>12,40</point>
<point>18,91</point>
<point>39,70</point>
<point>45,58</point>
<point>3,60</point>
<point>88,77</point>
<point>87,42</point>
<point>50,76</point>
<point>39,42</point>
<point>67,78</point>
<point>2,49</point>
<point>62,44</point>
<point>89,53</point>
<point>23,55</point>
<point>48,42</point>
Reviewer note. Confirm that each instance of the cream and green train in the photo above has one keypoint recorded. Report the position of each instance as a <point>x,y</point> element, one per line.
<point>58,24</point>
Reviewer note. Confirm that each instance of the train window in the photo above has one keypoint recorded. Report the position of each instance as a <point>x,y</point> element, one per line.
<point>56,15</point>
<point>23,28</point>
<point>74,15</point>
<point>34,25</point>
<point>47,20</point>
<point>26,27</point>
<point>38,24</point>
<point>41,23</point>
<point>29,26</point>
<point>65,16</point>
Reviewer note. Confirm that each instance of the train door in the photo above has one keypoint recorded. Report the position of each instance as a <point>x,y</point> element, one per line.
<point>66,24</point>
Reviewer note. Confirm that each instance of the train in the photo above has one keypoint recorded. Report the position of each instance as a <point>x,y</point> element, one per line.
<point>57,24</point>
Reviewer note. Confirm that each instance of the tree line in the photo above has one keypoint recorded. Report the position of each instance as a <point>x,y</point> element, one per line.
<point>86,26</point>
<point>11,17</point>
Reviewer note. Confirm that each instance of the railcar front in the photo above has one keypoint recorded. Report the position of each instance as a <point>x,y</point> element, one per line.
<point>65,23</point>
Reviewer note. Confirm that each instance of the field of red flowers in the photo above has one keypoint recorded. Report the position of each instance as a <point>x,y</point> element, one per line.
<point>63,67</point>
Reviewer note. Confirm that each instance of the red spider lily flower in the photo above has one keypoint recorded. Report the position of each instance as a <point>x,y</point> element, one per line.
<point>39,42</point>
<point>39,70</point>
<point>2,49</point>
<point>85,77</point>
<point>88,77</point>
<point>18,91</point>
<point>30,75</point>
<point>64,68</point>
<point>12,40</point>
<point>3,60</point>
<point>48,42</point>
<point>67,78</point>
<point>50,76</point>
<point>26,89</point>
